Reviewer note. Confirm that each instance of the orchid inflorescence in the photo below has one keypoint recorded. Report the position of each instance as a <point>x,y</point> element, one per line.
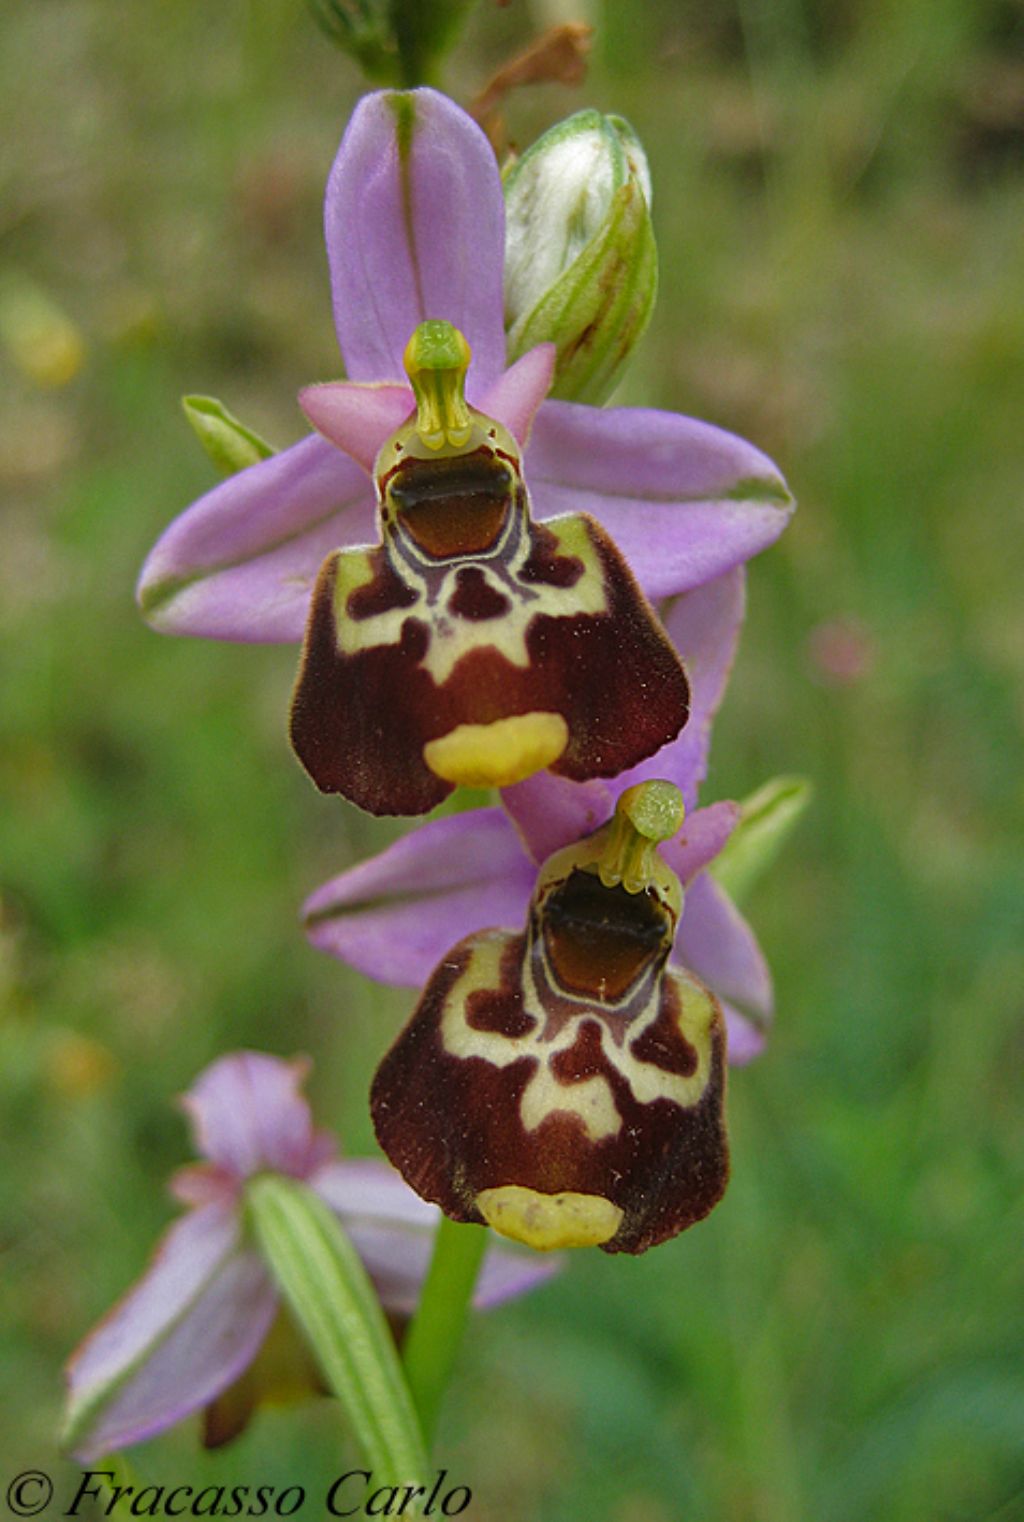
<point>496,586</point>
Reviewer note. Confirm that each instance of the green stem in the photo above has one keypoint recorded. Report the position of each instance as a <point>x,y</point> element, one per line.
<point>424,31</point>
<point>432,1341</point>
<point>414,66</point>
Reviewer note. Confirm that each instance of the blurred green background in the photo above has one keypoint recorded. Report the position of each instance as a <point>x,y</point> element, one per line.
<point>839,202</point>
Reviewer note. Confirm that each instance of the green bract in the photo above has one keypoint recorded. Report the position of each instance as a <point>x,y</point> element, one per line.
<point>394,41</point>
<point>766,819</point>
<point>229,444</point>
<point>581,268</point>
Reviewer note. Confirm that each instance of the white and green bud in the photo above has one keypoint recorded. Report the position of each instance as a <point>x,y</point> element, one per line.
<point>581,266</point>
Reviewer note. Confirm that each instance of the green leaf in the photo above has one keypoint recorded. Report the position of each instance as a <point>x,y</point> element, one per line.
<point>230,445</point>
<point>334,1304</point>
<point>766,819</point>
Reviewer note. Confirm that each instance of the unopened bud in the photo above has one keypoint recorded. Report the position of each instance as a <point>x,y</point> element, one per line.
<point>581,267</point>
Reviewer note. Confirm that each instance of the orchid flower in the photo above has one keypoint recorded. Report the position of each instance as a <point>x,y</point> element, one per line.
<point>203,1328</point>
<point>562,1084</point>
<point>414,220</point>
<point>474,645</point>
<point>394,917</point>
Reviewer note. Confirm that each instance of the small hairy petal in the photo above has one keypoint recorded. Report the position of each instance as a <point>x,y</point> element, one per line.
<point>717,944</point>
<point>684,501</point>
<point>415,225</point>
<point>394,917</point>
<point>188,1328</point>
<point>357,416</point>
<point>240,563</point>
<point>551,812</point>
<point>249,1114</point>
<point>703,835</point>
<point>517,394</point>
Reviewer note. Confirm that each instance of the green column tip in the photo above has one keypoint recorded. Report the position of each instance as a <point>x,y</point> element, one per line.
<point>647,813</point>
<point>436,360</point>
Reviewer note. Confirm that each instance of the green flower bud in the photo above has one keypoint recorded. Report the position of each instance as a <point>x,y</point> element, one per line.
<point>581,266</point>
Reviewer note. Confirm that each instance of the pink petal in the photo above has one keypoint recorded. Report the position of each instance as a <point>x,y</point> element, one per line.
<point>415,225</point>
<point>716,943</point>
<point>393,1232</point>
<point>240,563</point>
<point>395,916</point>
<point>703,835</point>
<point>204,1184</point>
<point>551,812</point>
<point>357,416</point>
<point>505,1275</point>
<point>248,1114</point>
<point>684,501</point>
<point>515,396</point>
<point>367,1188</point>
<point>704,626</point>
<point>178,1338</point>
<point>745,1039</point>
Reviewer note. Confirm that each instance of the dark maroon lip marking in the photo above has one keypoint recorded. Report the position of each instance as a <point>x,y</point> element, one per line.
<point>386,590</point>
<point>545,565</point>
<point>584,1059</point>
<point>663,1044</point>
<point>475,598</point>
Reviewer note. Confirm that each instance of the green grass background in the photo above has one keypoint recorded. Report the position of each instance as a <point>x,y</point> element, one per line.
<point>839,206</point>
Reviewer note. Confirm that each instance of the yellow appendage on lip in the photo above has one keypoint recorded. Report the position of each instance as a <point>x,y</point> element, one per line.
<point>547,1221</point>
<point>498,754</point>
